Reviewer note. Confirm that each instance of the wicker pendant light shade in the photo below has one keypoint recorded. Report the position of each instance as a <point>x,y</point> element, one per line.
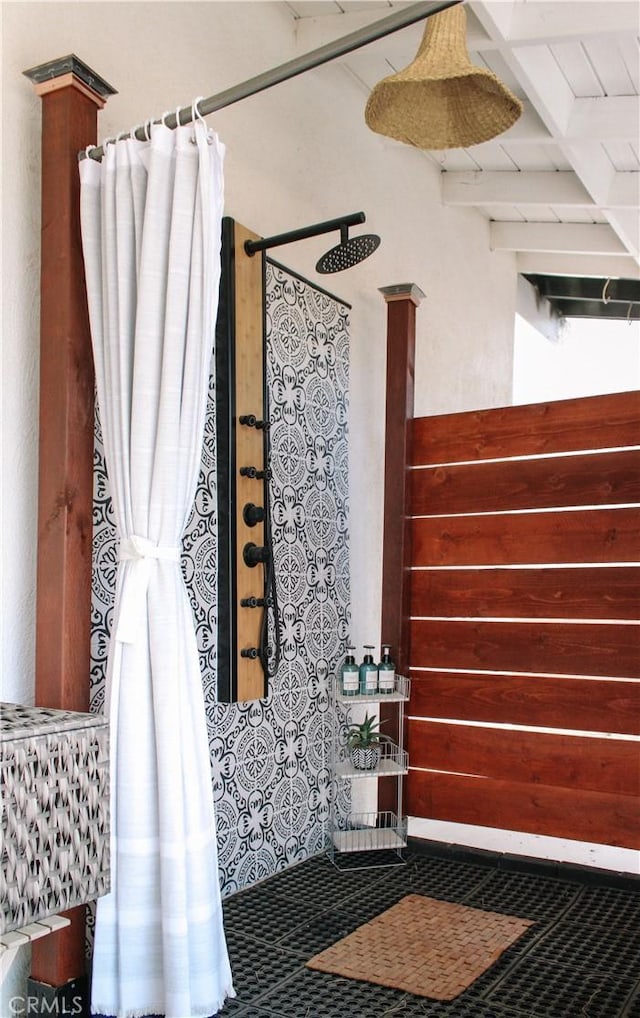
<point>442,100</point>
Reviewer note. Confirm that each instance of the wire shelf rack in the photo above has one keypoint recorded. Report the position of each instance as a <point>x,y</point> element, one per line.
<point>367,832</point>
<point>393,761</point>
<point>401,692</point>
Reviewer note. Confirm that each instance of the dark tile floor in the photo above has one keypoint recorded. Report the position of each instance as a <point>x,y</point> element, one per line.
<point>581,958</point>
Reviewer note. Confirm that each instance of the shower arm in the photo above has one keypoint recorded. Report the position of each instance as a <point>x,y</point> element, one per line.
<point>304,233</point>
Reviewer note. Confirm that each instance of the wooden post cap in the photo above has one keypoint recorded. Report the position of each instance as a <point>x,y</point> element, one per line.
<point>70,70</point>
<point>403,291</point>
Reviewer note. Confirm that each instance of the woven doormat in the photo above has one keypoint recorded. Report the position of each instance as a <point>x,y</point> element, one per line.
<point>423,946</point>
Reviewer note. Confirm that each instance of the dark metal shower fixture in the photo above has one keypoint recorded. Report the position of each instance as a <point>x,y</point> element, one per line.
<point>348,252</point>
<point>344,255</point>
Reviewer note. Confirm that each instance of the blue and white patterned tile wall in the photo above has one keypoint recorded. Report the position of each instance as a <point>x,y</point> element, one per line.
<point>271,758</point>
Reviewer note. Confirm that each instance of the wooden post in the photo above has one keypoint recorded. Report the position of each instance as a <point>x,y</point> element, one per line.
<point>402,301</point>
<point>71,95</point>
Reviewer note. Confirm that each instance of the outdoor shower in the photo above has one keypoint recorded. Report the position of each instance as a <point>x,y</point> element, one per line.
<point>248,616</point>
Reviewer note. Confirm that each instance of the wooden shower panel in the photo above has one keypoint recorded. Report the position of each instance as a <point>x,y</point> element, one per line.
<point>524,596</point>
<point>249,451</point>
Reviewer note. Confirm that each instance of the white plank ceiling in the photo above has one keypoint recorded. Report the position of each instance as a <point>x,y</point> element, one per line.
<point>562,186</point>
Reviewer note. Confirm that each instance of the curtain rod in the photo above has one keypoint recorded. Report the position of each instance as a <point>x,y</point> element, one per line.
<point>330,51</point>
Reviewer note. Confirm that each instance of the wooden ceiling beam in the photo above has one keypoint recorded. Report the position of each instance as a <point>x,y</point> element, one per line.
<point>621,266</point>
<point>569,238</point>
<point>565,116</point>
<point>608,118</point>
<point>549,22</point>
<point>484,187</point>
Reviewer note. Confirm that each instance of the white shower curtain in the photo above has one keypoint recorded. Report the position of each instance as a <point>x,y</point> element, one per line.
<point>151,220</point>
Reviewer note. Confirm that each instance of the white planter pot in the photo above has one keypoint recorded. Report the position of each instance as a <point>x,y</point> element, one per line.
<point>365,759</point>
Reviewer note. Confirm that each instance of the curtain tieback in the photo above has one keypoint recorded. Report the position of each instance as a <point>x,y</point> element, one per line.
<point>142,553</point>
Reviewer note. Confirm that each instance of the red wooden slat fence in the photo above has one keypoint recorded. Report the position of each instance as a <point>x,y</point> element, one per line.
<point>583,536</point>
<point>524,597</point>
<point>566,425</point>
<point>550,482</point>
<point>597,593</point>
<point>516,699</point>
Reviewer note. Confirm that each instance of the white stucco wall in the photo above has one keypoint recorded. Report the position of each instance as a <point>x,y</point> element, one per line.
<point>297,154</point>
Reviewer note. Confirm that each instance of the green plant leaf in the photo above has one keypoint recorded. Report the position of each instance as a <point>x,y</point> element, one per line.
<point>363,733</point>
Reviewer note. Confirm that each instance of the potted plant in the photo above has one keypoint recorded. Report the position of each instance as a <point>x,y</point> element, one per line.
<point>364,743</point>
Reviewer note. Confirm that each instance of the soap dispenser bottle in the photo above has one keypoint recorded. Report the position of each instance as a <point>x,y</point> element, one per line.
<point>350,675</point>
<point>386,672</point>
<point>368,672</point>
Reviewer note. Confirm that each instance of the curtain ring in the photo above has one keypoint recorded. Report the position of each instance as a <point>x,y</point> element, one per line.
<point>164,116</point>
<point>195,110</point>
<point>196,117</point>
<point>629,319</point>
<point>145,131</point>
<point>605,298</point>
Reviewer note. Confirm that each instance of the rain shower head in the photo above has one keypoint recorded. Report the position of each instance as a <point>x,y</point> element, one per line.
<point>348,252</point>
<point>344,255</point>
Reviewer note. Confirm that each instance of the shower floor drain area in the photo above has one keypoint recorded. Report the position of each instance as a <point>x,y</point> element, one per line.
<point>578,959</point>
